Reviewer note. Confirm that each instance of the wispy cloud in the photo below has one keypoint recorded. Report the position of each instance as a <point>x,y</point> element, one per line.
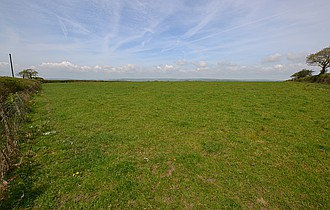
<point>201,64</point>
<point>182,62</point>
<point>175,35</point>
<point>207,13</point>
<point>272,58</point>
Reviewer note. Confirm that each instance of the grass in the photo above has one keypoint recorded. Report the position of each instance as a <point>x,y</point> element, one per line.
<point>169,145</point>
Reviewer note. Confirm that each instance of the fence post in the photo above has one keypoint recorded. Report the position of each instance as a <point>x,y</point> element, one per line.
<point>11,65</point>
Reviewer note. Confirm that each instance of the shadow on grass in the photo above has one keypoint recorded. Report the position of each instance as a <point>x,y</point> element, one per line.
<point>21,190</point>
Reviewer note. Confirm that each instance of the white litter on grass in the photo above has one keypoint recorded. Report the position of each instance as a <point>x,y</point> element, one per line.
<point>49,132</point>
<point>146,159</point>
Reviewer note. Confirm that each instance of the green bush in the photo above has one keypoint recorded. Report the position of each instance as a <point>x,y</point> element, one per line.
<point>10,85</point>
<point>323,79</point>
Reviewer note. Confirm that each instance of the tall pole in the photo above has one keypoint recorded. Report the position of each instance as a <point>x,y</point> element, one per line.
<point>11,65</point>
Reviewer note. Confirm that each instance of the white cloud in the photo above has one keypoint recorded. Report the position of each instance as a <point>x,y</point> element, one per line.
<point>182,62</point>
<point>272,58</point>
<point>97,67</point>
<point>202,69</point>
<point>229,66</point>
<point>63,64</point>
<point>164,68</point>
<point>288,69</point>
<point>122,69</point>
<point>68,66</point>
<point>86,68</point>
<point>201,64</point>
<point>168,67</point>
<point>279,66</point>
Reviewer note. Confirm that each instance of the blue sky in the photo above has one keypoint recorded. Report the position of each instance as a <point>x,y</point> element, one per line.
<point>108,39</point>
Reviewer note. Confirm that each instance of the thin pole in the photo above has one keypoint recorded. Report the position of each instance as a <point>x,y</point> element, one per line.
<point>11,65</point>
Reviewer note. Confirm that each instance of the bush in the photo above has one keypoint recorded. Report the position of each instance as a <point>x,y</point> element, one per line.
<point>323,79</point>
<point>13,85</point>
<point>301,74</point>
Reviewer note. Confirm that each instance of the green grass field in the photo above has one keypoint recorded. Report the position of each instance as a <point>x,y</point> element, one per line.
<point>176,145</point>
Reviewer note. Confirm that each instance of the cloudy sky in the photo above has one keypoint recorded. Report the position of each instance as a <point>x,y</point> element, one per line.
<point>113,39</point>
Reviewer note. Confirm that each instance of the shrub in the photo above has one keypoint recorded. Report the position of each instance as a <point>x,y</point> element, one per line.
<point>323,79</point>
<point>301,74</point>
<point>13,85</point>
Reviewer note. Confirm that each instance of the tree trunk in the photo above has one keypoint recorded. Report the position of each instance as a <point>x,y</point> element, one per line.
<point>322,70</point>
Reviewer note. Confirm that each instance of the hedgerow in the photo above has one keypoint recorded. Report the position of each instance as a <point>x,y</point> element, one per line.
<point>14,98</point>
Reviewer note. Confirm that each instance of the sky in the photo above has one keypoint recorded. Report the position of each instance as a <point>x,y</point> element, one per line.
<point>155,39</point>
